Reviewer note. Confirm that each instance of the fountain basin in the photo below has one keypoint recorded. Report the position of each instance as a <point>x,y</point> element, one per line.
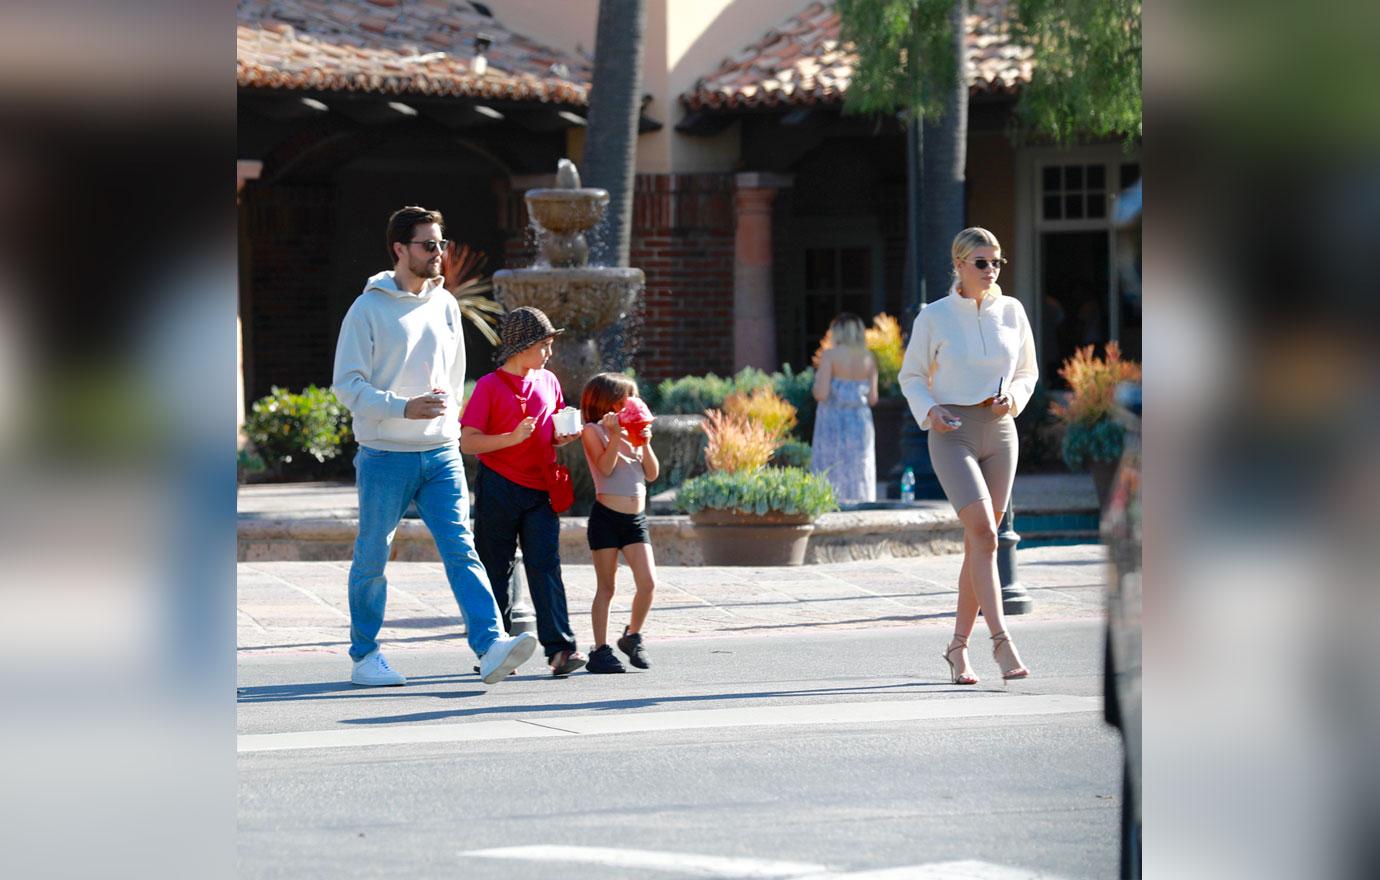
<point>583,300</point>
<point>567,211</point>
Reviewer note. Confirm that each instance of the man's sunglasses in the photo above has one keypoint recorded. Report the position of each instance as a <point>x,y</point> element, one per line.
<point>982,264</point>
<point>432,245</point>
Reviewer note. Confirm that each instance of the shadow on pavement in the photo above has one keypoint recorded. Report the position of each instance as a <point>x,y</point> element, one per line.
<point>319,690</point>
<point>458,636</point>
<point>898,618</point>
<point>649,702</point>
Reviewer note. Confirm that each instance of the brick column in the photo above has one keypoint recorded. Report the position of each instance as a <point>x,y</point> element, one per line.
<point>754,308</point>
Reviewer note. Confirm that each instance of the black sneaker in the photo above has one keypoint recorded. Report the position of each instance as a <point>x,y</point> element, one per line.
<point>602,660</point>
<point>631,644</point>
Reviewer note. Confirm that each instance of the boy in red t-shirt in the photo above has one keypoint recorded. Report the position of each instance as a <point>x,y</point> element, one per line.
<point>508,424</point>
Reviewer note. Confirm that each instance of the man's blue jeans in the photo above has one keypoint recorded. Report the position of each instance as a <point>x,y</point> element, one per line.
<point>505,513</point>
<point>388,482</point>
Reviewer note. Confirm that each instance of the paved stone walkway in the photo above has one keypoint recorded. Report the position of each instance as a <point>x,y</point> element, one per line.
<point>301,606</point>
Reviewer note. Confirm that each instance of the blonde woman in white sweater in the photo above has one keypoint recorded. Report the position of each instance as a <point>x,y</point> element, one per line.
<point>969,369</point>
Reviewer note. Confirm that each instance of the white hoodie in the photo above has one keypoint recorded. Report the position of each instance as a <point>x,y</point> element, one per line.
<point>395,345</point>
<point>960,352</point>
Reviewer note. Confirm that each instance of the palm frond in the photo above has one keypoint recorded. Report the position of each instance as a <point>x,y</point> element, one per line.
<point>462,267</point>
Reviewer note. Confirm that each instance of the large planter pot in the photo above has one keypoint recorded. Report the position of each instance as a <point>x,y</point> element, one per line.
<point>730,538</point>
<point>1104,475</point>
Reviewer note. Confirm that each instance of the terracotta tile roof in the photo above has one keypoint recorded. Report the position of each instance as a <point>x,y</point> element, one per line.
<point>802,62</point>
<point>397,47</point>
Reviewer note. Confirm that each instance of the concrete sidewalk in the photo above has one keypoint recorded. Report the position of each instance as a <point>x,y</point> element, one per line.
<point>302,607</point>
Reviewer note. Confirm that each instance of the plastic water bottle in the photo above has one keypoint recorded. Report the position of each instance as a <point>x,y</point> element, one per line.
<point>908,485</point>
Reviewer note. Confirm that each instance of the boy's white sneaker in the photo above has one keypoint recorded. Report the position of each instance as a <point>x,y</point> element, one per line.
<point>372,670</point>
<point>504,655</point>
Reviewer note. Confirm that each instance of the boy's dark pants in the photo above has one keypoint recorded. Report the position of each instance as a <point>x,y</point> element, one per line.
<point>504,513</point>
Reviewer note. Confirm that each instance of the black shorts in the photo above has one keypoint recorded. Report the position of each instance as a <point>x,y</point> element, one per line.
<point>609,529</point>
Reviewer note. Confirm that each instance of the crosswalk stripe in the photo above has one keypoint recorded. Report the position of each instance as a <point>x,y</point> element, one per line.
<point>960,870</point>
<point>692,865</point>
<point>680,863</point>
<point>881,711</point>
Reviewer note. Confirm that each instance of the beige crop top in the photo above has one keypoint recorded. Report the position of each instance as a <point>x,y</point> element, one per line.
<point>626,478</point>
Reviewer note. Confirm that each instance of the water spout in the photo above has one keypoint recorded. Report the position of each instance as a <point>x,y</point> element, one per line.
<point>567,175</point>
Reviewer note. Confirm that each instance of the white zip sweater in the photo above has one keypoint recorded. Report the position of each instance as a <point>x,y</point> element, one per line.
<point>395,345</point>
<point>959,352</point>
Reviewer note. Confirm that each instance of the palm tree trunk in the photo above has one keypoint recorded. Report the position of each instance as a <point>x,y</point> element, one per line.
<point>615,103</point>
<point>943,212</point>
<point>940,149</point>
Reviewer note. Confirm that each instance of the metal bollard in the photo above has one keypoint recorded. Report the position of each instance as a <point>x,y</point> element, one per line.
<point>524,619</point>
<point>1014,597</point>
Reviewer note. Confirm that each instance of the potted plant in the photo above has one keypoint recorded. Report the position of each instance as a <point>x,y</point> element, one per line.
<point>744,512</point>
<point>1093,438</point>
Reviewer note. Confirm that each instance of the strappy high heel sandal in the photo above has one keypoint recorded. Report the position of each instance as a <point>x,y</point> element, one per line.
<point>960,643</point>
<point>1004,652</point>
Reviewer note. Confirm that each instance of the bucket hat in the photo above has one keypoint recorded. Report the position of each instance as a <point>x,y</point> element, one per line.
<point>523,328</point>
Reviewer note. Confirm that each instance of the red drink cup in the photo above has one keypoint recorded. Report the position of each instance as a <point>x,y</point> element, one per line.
<point>634,417</point>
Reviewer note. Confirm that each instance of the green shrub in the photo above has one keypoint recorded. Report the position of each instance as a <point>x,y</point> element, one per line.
<point>791,491</point>
<point>693,395</point>
<point>884,341</point>
<point>305,434</point>
<point>793,453</point>
<point>1084,444</point>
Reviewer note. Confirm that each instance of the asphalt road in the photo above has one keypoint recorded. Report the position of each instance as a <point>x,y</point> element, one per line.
<point>823,754</point>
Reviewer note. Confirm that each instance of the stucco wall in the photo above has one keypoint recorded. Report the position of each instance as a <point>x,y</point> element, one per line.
<point>685,40</point>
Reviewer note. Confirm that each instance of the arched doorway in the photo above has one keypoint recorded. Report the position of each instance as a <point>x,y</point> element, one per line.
<point>312,232</point>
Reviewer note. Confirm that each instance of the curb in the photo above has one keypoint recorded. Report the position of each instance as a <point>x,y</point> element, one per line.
<point>924,530</point>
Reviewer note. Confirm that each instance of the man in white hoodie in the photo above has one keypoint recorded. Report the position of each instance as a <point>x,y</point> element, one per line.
<point>400,369</point>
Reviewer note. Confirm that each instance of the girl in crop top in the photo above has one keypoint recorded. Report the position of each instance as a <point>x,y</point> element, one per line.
<point>617,440</point>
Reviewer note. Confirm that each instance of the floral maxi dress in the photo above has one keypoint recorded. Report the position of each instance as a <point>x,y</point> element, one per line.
<point>843,442</point>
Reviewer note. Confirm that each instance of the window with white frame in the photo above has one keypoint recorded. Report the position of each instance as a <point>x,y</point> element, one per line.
<point>1080,254</point>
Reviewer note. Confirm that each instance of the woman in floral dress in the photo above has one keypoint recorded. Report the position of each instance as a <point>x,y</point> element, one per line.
<point>846,388</point>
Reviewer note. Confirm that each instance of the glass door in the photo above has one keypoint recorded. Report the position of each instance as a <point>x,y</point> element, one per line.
<point>1081,257</point>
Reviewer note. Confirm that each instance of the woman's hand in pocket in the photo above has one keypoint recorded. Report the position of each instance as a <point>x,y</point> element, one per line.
<point>941,420</point>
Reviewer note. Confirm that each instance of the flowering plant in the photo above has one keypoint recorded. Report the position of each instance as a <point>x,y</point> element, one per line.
<point>1092,434</point>
<point>743,438</point>
<point>737,443</point>
<point>762,406</point>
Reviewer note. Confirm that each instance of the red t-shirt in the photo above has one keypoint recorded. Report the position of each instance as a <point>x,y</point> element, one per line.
<point>494,408</point>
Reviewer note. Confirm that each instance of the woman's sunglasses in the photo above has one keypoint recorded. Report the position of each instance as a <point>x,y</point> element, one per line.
<point>983,264</point>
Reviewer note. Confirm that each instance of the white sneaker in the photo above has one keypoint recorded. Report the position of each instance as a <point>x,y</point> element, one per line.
<point>373,671</point>
<point>504,655</point>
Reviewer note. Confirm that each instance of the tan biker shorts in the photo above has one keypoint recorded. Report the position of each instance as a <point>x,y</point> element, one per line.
<point>977,458</point>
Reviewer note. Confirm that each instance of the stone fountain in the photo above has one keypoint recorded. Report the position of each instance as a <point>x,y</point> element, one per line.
<point>586,300</point>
